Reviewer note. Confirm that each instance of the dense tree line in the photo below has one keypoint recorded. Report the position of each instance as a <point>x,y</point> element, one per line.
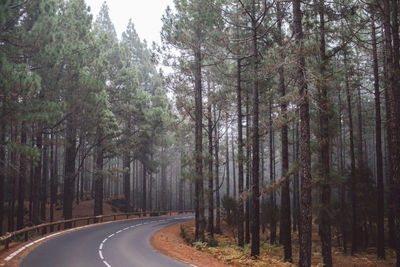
<point>322,78</point>
<point>84,115</point>
<point>289,108</point>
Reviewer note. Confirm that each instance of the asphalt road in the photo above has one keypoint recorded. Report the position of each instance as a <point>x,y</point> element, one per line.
<point>125,243</point>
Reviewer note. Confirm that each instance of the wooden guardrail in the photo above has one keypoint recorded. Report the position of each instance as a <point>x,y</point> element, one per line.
<point>72,223</point>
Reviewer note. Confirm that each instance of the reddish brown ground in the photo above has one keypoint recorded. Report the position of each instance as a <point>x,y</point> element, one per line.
<point>169,242</point>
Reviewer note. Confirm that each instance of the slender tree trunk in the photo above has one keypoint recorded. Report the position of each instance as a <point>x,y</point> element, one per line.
<point>37,177</point>
<point>353,164</point>
<point>296,184</point>
<point>342,196</point>
<point>360,162</point>
<point>13,177</point>
<point>163,180</point>
<point>144,181</point>
<point>240,156</point>
<point>285,221</point>
<point>45,177</point>
<point>396,121</point>
<point>274,214</point>
<point>255,244</point>
<point>22,180</point>
<point>210,167</point>
<point>200,220</point>
<point>83,171</point>
<point>248,158</point>
<point>217,186</point>
<point>3,126</point>
<point>53,175</point>
<point>325,209</point>
<point>127,180</point>
<point>393,93</point>
<point>227,158</point>
<point>233,168</point>
<point>378,148</point>
<point>99,175</point>
<point>305,201</point>
<point>69,170</point>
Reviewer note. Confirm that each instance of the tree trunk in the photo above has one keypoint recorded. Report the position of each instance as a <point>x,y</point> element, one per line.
<point>127,180</point>
<point>99,176</point>
<point>353,164</point>
<point>144,181</point>
<point>37,177</point>
<point>22,180</point>
<point>233,168</point>
<point>272,175</point>
<point>3,125</point>
<point>210,167</point>
<point>248,158</point>
<point>13,178</point>
<point>325,208</point>
<point>285,221</point>
<point>69,170</point>
<point>200,220</point>
<point>217,197</point>
<point>240,157</point>
<point>45,177</point>
<point>227,158</point>
<point>393,93</point>
<point>255,240</point>
<point>53,177</point>
<point>305,201</point>
<point>378,148</point>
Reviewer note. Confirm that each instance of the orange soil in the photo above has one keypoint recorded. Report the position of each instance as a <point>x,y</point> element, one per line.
<point>169,242</point>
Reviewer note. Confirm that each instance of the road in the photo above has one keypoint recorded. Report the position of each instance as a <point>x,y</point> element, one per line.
<point>124,243</point>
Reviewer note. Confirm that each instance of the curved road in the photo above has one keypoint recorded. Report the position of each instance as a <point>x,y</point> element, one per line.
<point>124,243</point>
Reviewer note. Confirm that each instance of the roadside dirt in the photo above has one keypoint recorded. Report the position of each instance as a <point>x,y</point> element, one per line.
<point>169,242</point>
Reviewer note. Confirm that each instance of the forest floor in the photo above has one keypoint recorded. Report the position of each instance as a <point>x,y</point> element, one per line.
<point>169,241</point>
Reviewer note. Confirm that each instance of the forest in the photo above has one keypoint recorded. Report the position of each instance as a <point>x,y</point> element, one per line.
<point>282,113</point>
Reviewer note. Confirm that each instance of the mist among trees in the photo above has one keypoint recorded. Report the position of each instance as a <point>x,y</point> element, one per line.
<point>286,111</point>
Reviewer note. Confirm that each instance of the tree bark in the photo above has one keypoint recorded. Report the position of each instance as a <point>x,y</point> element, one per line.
<point>127,180</point>
<point>255,240</point>
<point>378,147</point>
<point>240,156</point>
<point>3,126</point>
<point>228,178</point>
<point>70,155</point>
<point>217,196</point>
<point>305,201</point>
<point>325,208</point>
<point>210,167</point>
<point>99,176</point>
<point>285,220</point>
<point>37,177</point>
<point>353,177</point>
<point>45,177</point>
<point>22,180</point>
<point>274,214</point>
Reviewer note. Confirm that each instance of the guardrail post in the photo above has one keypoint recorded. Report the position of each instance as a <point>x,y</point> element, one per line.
<point>6,244</point>
<point>26,236</point>
<point>115,217</point>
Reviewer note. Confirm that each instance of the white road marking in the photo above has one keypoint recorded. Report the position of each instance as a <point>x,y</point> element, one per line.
<point>101,255</point>
<point>101,246</point>
<point>106,263</point>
